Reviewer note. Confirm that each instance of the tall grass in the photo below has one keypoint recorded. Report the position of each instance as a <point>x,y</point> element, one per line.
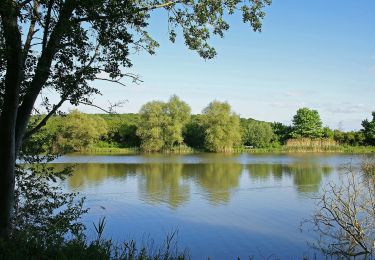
<point>312,145</point>
<point>22,246</point>
<point>110,150</point>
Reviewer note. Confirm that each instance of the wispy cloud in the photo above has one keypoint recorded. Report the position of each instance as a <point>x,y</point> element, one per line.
<point>346,108</point>
<point>298,93</point>
<point>287,104</point>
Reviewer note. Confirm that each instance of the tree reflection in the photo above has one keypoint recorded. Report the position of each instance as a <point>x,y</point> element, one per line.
<point>95,173</point>
<point>306,177</point>
<point>217,180</point>
<point>163,183</point>
<point>171,183</point>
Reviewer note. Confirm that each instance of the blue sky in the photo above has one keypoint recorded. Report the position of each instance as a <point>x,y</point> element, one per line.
<point>319,54</point>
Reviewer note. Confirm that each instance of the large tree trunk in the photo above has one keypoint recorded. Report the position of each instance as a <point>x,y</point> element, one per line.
<point>7,167</point>
<point>9,115</point>
<point>14,118</point>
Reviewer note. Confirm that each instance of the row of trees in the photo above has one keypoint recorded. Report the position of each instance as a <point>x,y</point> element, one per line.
<point>167,125</point>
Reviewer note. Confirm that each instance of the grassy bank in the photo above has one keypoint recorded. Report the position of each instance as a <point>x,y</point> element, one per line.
<point>182,149</point>
<point>237,150</point>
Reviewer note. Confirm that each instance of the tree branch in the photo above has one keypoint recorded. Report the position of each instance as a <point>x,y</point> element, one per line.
<point>42,71</point>
<point>43,122</point>
<point>30,33</point>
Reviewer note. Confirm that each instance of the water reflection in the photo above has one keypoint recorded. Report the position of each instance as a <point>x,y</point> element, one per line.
<point>163,183</point>
<point>217,180</point>
<point>306,177</point>
<point>172,183</point>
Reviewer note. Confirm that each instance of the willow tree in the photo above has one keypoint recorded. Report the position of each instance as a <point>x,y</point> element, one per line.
<point>160,125</point>
<point>222,127</point>
<point>63,45</point>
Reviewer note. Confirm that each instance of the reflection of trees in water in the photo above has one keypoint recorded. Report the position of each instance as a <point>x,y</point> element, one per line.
<point>262,172</point>
<point>170,182</point>
<point>163,183</point>
<point>306,176</point>
<point>217,179</point>
<point>95,173</point>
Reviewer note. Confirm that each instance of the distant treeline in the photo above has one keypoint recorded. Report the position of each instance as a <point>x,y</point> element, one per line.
<point>169,126</point>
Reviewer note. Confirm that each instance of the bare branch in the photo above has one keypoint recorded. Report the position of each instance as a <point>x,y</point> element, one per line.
<point>110,110</point>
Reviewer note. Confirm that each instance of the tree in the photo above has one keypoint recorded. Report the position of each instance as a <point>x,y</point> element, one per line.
<point>307,123</point>
<point>283,132</point>
<point>62,45</point>
<point>150,128</point>
<point>161,124</point>
<point>222,127</point>
<point>369,130</point>
<point>193,132</point>
<point>257,134</point>
<point>178,114</point>
<point>78,131</point>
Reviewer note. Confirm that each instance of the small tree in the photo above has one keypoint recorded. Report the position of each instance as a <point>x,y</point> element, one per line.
<point>307,123</point>
<point>283,132</point>
<point>222,127</point>
<point>369,130</point>
<point>345,215</point>
<point>150,129</point>
<point>258,134</point>
<point>178,114</point>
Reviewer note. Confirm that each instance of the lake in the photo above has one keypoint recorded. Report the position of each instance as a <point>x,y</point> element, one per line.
<point>223,206</point>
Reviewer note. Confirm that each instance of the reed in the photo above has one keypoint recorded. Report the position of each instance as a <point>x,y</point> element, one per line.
<point>110,150</point>
<point>312,145</point>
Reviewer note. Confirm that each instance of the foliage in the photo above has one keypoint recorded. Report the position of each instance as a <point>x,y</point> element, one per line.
<point>352,138</point>
<point>173,129</point>
<point>283,132</point>
<point>77,131</point>
<point>161,124</point>
<point>369,130</point>
<point>22,247</point>
<point>221,127</point>
<point>42,210</point>
<point>150,129</point>
<point>178,113</point>
<point>256,134</point>
<point>307,123</point>
<point>122,130</point>
<point>193,132</point>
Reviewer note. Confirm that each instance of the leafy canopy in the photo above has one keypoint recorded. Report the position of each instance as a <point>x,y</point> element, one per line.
<point>76,131</point>
<point>161,124</point>
<point>369,130</point>
<point>256,133</point>
<point>307,123</point>
<point>222,127</point>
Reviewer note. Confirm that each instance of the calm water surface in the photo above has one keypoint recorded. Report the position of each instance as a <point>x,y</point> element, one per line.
<point>223,206</point>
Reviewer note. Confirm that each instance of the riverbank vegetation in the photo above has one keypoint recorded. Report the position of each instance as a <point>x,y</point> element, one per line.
<point>169,127</point>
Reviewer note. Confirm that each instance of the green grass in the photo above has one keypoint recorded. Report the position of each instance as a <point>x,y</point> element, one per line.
<point>183,149</point>
<point>110,150</point>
